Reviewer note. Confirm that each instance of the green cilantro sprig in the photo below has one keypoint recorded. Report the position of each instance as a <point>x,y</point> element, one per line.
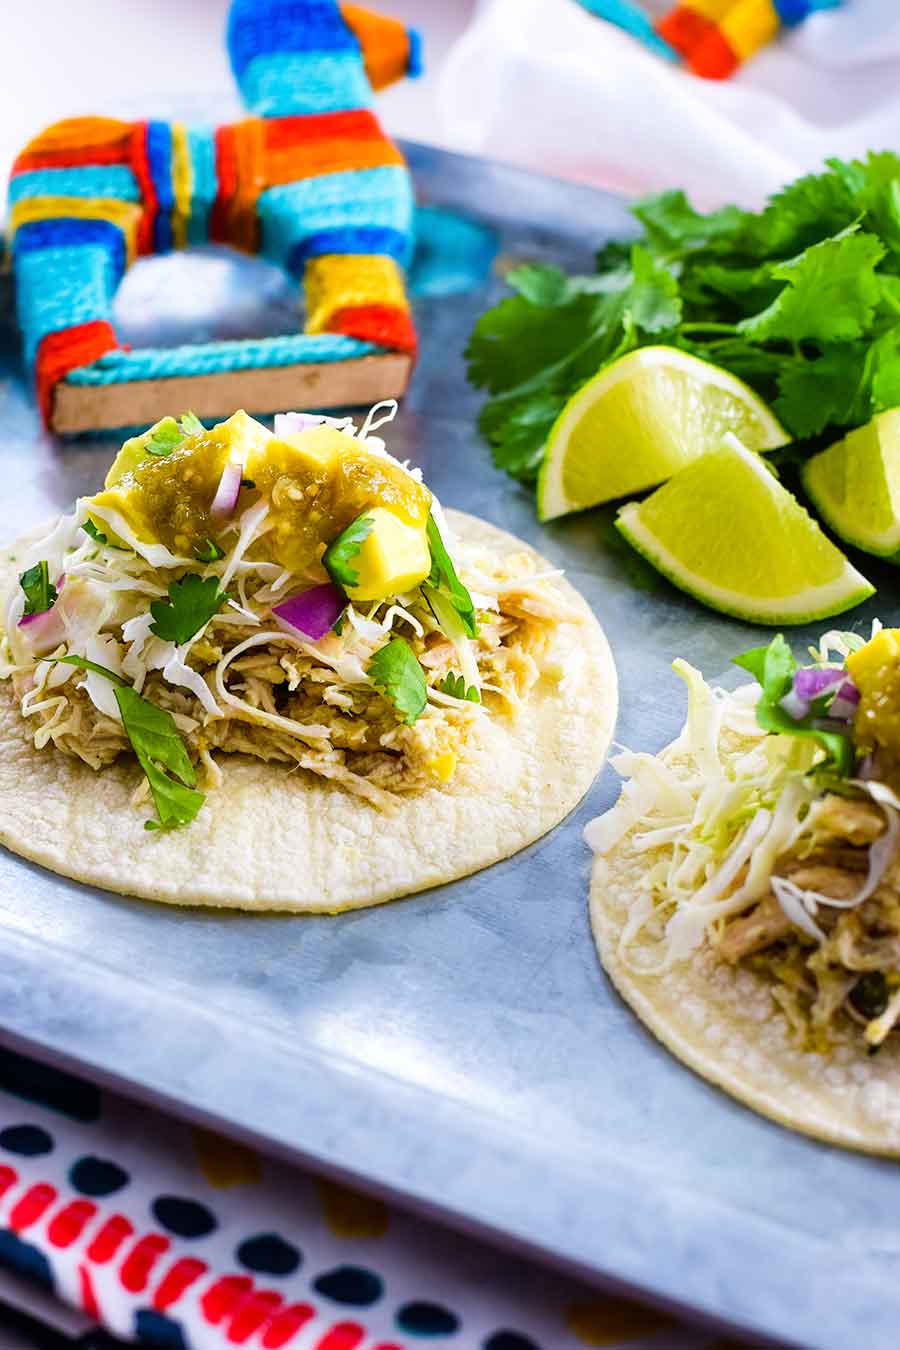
<point>801,300</point>
<point>40,593</point>
<point>443,579</point>
<point>208,551</point>
<point>339,555</point>
<point>773,667</point>
<point>159,749</point>
<point>455,686</point>
<point>396,672</point>
<point>169,434</point>
<point>191,604</point>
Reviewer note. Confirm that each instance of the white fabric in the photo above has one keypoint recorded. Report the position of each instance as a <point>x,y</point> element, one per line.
<point>545,84</point>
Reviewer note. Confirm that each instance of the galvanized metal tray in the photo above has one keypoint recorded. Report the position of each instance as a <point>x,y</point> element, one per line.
<point>461,1049</point>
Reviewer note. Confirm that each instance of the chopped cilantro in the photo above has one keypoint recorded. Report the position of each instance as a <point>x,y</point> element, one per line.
<point>159,748</point>
<point>338,625</point>
<point>90,528</point>
<point>191,424</point>
<point>455,686</point>
<point>397,673</point>
<point>40,593</point>
<point>191,604</point>
<point>166,437</point>
<point>209,551</point>
<point>443,579</point>
<point>341,551</point>
<point>773,667</point>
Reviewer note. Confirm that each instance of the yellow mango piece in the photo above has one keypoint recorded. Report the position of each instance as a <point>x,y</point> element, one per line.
<point>392,558</point>
<point>443,766</point>
<point>882,650</point>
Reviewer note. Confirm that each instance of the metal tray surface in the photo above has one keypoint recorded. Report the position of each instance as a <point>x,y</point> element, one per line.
<point>461,1049</point>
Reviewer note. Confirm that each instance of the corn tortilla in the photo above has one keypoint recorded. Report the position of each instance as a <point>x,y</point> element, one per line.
<point>723,1023</point>
<point>273,838</point>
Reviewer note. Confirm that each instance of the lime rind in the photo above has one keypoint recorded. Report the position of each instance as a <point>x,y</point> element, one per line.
<point>855,486</point>
<point>662,409</point>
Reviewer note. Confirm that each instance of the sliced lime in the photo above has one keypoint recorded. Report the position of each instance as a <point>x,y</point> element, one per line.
<point>855,485</point>
<point>639,421</point>
<point>726,531</point>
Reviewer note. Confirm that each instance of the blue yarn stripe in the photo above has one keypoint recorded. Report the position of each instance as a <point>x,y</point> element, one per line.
<point>204,184</point>
<point>285,26</point>
<point>359,239</point>
<point>159,160</point>
<point>415,66</point>
<point>291,84</point>
<point>61,287</point>
<point>356,198</point>
<point>65,232</point>
<point>114,181</point>
<point>153,363</point>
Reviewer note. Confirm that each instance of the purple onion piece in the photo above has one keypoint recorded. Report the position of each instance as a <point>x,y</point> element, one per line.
<point>795,706</point>
<point>227,492</point>
<point>814,681</point>
<point>290,423</point>
<point>312,612</point>
<point>43,631</point>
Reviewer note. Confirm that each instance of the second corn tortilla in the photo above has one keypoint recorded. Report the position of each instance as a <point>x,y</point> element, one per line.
<point>723,1023</point>
<point>270,838</point>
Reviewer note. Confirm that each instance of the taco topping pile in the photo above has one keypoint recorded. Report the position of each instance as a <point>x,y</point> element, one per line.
<point>296,597</point>
<point>771,828</point>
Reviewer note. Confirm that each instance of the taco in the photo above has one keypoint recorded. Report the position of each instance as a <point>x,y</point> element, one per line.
<point>267,671</point>
<point>745,895</point>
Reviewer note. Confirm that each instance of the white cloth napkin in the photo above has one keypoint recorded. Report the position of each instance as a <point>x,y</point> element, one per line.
<point>545,84</point>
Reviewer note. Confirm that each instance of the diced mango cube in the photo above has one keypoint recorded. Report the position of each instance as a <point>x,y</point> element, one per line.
<point>393,558</point>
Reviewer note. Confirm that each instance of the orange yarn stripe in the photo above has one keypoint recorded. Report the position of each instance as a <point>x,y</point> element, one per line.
<point>79,133</point>
<point>250,180</point>
<point>66,350</point>
<point>315,159</point>
<point>357,124</point>
<point>384,42</point>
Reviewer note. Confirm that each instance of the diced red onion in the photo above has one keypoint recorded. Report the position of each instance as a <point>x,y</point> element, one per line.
<point>289,423</point>
<point>794,705</point>
<point>227,492</point>
<point>814,681</point>
<point>867,769</point>
<point>44,631</point>
<point>845,702</point>
<point>312,612</point>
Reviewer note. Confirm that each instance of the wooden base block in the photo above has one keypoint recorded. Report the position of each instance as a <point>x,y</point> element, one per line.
<point>138,403</point>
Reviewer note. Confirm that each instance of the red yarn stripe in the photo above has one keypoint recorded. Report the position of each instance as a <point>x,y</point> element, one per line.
<point>226,177</point>
<point>137,159</point>
<point>359,124</point>
<point>66,350</point>
<point>384,324</point>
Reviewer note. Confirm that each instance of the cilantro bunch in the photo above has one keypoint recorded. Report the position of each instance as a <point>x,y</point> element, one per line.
<point>800,300</point>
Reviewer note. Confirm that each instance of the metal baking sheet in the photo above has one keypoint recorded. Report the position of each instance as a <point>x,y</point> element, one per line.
<point>460,1049</point>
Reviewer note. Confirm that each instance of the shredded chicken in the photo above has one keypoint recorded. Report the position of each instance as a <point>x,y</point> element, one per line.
<point>855,971</point>
<point>310,704</point>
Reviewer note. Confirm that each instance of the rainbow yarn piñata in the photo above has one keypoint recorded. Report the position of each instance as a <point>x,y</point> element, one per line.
<point>309,181</point>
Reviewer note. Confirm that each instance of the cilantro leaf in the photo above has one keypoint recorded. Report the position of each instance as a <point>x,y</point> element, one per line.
<point>40,593</point>
<point>165,437</point>
<point>191,424</point>
<point>84,664</point>
<point>653,298</point>
<point>830,296</point>
<point>443,578</point>
<point>339,555</point>
<point>540,284</point>
<point>674,227</point>
<point>191,604</point>
<point>455,686</point>
<point>91,529</point>
<point>208,551</point>
<point>395,670</point>
<point>773,667</point>
<point>159,748</point>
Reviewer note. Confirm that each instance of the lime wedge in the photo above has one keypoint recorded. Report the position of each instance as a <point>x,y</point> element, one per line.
<point>727,532</point>
<point>855,485</point>
<point>641,420</point>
